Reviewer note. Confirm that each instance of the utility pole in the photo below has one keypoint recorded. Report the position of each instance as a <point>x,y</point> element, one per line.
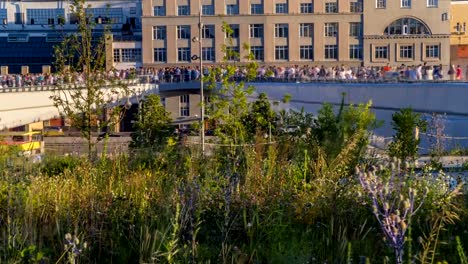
<point>202,97</point>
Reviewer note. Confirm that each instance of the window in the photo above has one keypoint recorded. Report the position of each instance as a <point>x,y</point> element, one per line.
<point>405,26</point>
<point>355,6</point>
<point>381,4</point>
<point>381,52</point>
<point>306,30</point>
<point>256,30</point>
<point>331,7</point>
<point>355,29</point>
<point>281,8</point>
<point>232,53</point>
<point>105,15</point>
<point>183,54</point>
<point>307,8</point>
<point>159,32</point>
<point>406,52</point>
<point>184,99</point>
<point>281,53</point>
<point>160,55</point>
<point>432,3</point>
<point>131,55</point>
<point>257,52</point>
<point>208,10</point>
<point>208,31</point>
<point>44,16</point>
<point>116,55</point>
<point>233,32</point>
<point>184,111</point>
<point>331,29</point>
<point>281,30</point>
<point>256,9</point>
<point>405,3</point>
<point>307,52</point>
<point>159,11</point>
<point>355,52</point>
<point>3,16</point>
<point>183,10</point>
<point>432,51</point>
<point>232,9</point>
<point>183,32</point>
<point>208,54</point>
<point>331,52</point>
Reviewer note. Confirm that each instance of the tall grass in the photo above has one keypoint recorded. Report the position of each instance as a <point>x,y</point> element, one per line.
<point>264,206</point>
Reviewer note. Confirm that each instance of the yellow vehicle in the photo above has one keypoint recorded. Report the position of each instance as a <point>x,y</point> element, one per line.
<point>27,142</point>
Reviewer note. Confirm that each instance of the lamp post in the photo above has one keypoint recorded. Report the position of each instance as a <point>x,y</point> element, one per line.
<point>202,97</point>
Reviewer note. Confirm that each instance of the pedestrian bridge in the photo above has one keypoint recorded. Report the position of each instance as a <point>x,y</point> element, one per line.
<point>25,105</point>
<point>19,106</point>
<point>446,98</point>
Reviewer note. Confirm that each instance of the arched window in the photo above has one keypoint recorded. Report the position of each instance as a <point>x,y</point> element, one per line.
<point>407,26</point>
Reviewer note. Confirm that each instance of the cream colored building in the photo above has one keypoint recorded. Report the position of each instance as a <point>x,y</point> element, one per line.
<point>406,32</point>
<point>278,31</point>
<point>459,34</point>
<point>328,32</point>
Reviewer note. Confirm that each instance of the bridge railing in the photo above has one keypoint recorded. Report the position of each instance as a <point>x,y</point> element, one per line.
<point>42,88</point>
<point>390,78</point>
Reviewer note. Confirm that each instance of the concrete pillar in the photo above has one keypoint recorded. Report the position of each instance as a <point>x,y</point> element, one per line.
<point>171,41</point>
<point>319,6</point>
<point>24,70</point>
<point>219,7</point>
<point>343,41</point>
<point>268,8</point>
<point>4,70</point>
<point>244,7</point>
<point>194,7</point>
<point>318,40</point>
<point>171,8</point>
<point>147,43</point>
<point>244,37</point>
<point>269,37</point>
<point>219,54</point>
<point>343,6</point>
<point>293,6</point>
<point>294,43</point>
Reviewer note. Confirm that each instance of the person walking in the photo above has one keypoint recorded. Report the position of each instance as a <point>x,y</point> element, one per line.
<point>458,72</point>
<point>451,72</point>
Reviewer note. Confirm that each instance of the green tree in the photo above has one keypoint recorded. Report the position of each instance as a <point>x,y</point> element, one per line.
<point>406,124</point>
<point>261,119</point>
<point>85,94</point>
<point>153,126</point>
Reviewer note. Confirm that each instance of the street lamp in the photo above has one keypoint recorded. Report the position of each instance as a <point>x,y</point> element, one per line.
<point>202,97</point>
<point>200,58</point>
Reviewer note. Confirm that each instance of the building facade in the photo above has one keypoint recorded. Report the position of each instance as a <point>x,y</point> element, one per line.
<point>406,32</point>
<point>350,32</point>
<point>30,29</point>
<point>459,34</point>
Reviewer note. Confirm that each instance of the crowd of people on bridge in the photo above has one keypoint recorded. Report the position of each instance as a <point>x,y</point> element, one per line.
<point>306,73</point>
<point>292,73</point>
<point>41,79</point>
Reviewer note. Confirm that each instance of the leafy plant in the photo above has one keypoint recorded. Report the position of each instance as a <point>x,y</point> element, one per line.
<point>152,128</point>
<point>85,94</point>
<point>407,125</point>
